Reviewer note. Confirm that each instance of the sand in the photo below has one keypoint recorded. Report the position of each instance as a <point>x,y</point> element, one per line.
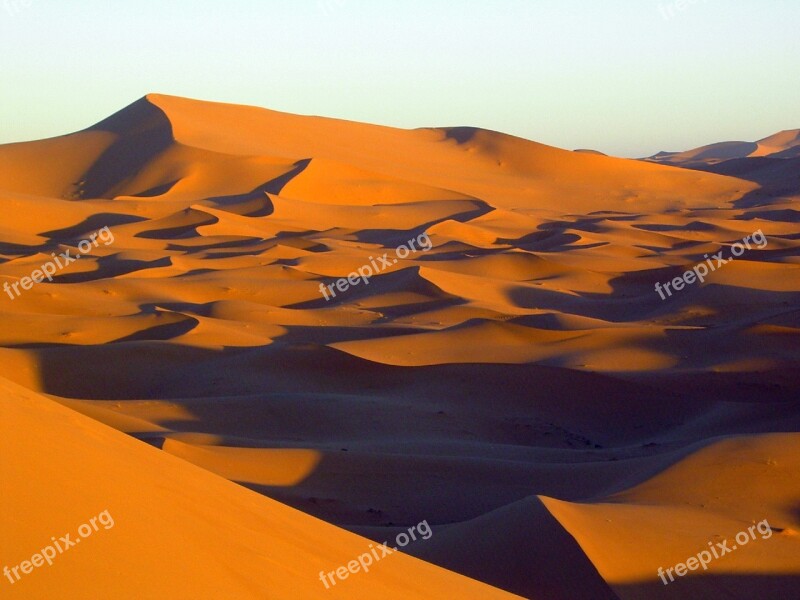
<point>519,383</point>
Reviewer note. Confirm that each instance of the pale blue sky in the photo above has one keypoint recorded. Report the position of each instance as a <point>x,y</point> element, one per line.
<point>621,76</point>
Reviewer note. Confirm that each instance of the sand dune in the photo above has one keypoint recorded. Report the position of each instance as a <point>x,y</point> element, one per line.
<point>515,380</point>
<point>175,530</point>
<point>784,144</point>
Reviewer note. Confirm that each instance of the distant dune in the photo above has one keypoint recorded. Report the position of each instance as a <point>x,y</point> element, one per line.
<point>254,406</point>
<point>785,144</point>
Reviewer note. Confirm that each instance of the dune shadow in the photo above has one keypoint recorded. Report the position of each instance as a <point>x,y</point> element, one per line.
<point>662,228</point>
<point>786,215</point>
<point>164,332</point>
<point>707,586</point>
<point>245,242</point>
<point>112,266</point>
<point>461,135</point>
<point>539,556</point>
<point>179,232</point>
<point>395,237</point>
<point>775,175</point>
<point>158,190</point>
<point>273,186</point>
<point>18,250</point>
<point>554,237</point>
<point>92,224</point>
<point>143,132</point>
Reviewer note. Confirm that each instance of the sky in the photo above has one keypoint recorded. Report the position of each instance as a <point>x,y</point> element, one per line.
<point>626,77</point>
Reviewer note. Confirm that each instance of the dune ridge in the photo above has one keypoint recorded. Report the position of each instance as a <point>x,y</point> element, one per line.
<point>521,386</point>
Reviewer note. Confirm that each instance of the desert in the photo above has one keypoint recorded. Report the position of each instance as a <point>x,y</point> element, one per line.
<point>518,385</point>
<point>414,300</point>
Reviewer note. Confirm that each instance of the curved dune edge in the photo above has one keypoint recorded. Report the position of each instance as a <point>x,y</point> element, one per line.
<point>519,385</point>
<point>165,540</point>
<point>709,496</point>
<point>519,547</point>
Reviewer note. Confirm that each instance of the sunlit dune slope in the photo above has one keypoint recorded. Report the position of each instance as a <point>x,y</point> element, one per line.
<point>178,531</point>
<point>168,146</point>
<point>710,496</point>
<point>784,144</point>
<point>378,327</point>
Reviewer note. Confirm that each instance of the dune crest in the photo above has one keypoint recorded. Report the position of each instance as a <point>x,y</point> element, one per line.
<point>515,379</point>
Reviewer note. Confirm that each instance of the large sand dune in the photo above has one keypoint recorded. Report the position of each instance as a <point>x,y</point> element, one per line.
<point>784,144</point>
<point>518,382</point>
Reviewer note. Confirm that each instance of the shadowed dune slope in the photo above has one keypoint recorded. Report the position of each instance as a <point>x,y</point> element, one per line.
<point>175,530</point>
<point>380,327</point>
<point>784,144</point>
